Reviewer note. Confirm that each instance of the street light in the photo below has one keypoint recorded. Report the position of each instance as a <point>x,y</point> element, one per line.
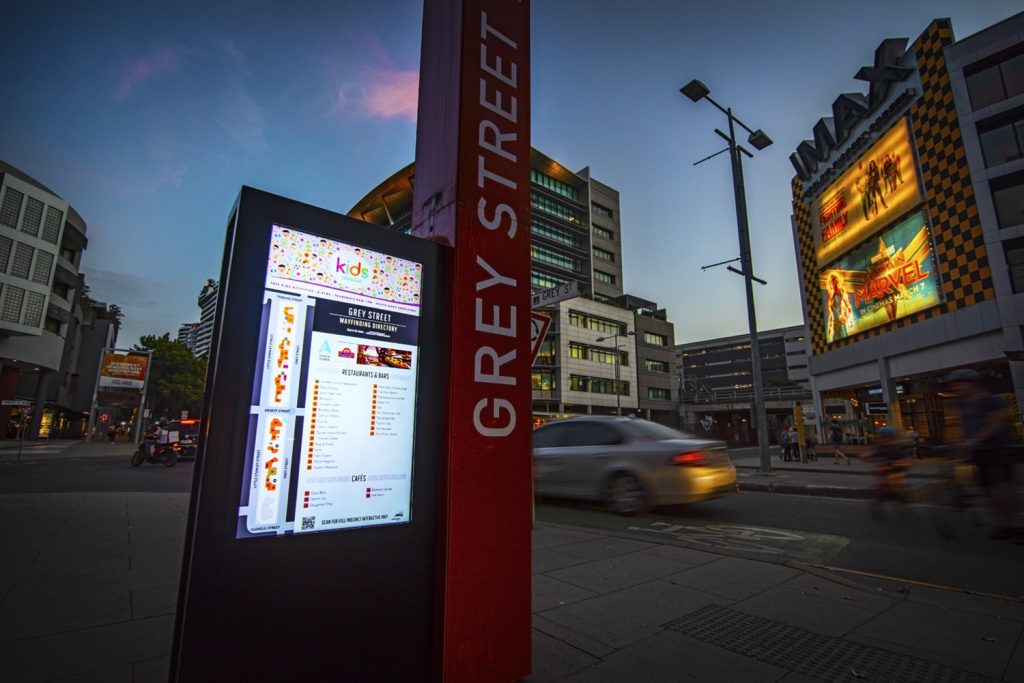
<point>618,358</point>
<point>757,139</point>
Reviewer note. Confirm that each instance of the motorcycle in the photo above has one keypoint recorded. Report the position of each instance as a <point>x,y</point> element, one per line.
<point>165,454</point>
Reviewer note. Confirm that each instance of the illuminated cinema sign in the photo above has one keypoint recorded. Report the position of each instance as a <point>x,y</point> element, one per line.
<point>890,277</point>
<point>880,186</point>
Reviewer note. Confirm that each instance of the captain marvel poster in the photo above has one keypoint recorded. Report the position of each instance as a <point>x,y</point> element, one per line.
<point>889,277</point>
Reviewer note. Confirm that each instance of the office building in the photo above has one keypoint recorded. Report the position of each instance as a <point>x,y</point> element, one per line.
<point>187,335</point>
<point>203,334</point>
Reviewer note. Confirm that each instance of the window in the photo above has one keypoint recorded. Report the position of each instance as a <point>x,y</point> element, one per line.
<point>543,380</point>
<point>6,244</point>
<point>1008,198</point>
<point>604,254</point>
<point>606,326</point>
<point>604,233</point>
<point>10,209</point>
<point>11,310</point>
<point>601,297</point>
<point>34,309</point>
<point>1014,250</point>
<point>51,229</point>
<point>545,281</point>
<point>599,355</point>
<point>577,319</point>
<point>655,339</point>
<point>22,260</point>
<point>548,352</point>
<point>543,228</point>
<point>577,351</point>
<point>602,210</point>
<point>597,385</point>
<point>602,276</point>
<point>52,325</point>
<point>44,262</point>
<point>552,207</point>
<point>1002,138</point>
<point>556,186</point>
<point>652,365</point>
<point>67,254</point>
<point>997,81</point>
<point>555,258</point>
<point>33,217</point>
<point>62,290</point>
<point>656,394</point>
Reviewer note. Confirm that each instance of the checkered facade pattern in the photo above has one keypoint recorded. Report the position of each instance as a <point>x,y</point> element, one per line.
<point>949,206</point>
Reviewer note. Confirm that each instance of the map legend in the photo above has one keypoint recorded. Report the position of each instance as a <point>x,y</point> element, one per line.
<point>312,427</point>
<point>373,410</point>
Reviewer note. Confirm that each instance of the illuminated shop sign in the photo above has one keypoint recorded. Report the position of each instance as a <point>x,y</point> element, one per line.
<point>889,277</point>
<point>880,186</point>
<point>123,370</point>
<point>330,440</point>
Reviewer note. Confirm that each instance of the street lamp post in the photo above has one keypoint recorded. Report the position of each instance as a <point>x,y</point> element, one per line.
<point>697,91</point>
<point>618,359</point>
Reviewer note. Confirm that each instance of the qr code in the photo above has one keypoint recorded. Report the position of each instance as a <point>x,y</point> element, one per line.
<point>308,523</point>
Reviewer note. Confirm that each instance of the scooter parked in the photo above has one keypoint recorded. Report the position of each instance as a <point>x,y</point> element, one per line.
<point>152,451</point>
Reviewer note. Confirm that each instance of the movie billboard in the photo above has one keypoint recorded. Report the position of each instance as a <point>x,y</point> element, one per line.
<point>889,277</point>
<point>330,442</point>
<point>877,188</point>
<point>123,370</point>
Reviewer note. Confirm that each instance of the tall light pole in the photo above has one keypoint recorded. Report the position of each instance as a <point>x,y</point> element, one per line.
<point>618,360</point>
<point>697,91</point>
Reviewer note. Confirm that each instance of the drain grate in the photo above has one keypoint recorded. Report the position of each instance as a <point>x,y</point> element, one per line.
<point>821,657</point>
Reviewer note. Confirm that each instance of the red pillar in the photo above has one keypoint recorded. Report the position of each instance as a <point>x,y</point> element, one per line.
<point>472,194</point>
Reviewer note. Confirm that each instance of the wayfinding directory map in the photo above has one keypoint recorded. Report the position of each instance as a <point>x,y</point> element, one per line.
<point>330,439</point>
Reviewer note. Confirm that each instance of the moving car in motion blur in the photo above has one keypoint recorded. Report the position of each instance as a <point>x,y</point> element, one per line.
<point>627,463</point>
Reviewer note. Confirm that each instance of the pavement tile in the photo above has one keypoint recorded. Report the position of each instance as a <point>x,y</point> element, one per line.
<point>624,617</point>
<point>545,536</point>
<point>671,658</point>
<point>154,601</point>
<point>965,602</point>
<point>733,578</point>
<point>152,670</point>
<point>687,556</point>
<point>1015,669</point>
<point>577,640</point>
<point>875,601</point>
<point>553,659</point>
<point>605,546</point>
<point>117,674</point>
<point>806,610</point>
<point>961,639</point>
<point>58,616</point>
<point>64,565</point>
<point>616,573</point>
<point>549,593</point>
<point>33,590</point>
<point>547,560</point>
<point>92,649</point>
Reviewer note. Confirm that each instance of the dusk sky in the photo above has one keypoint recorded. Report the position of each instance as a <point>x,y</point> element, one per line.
<point>148,117</point>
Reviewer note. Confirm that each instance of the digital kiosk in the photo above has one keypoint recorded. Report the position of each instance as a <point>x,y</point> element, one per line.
<point>311,542</point>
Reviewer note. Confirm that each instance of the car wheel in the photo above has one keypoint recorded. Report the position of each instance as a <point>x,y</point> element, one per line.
<point>624,495</point>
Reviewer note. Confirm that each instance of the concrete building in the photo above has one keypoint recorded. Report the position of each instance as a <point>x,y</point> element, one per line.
<point>203,334</point>
<point>576,237</point>
<point>908,219</point>
<point>187,335</point>
<point>716,383</point>
<point>48,327</point>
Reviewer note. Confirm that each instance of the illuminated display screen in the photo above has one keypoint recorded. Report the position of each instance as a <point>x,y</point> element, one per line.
<point>880,186</point>
<point>888,278</point>
<point>330,439</point>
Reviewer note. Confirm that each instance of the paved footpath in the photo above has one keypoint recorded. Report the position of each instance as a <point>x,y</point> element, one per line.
<point>88,589</point>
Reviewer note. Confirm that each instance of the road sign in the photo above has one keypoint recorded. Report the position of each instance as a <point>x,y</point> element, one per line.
<point>15,402</point>
<point>546,297</point>
<point>539,324</point>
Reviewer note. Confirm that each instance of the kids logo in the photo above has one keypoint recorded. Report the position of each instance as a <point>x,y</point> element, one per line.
<point>353,271</point>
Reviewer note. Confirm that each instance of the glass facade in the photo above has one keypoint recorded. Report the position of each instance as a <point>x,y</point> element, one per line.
<point>556,186</point>
<point>552,207</point>
<point>555,258</point>
<point>603,254</point>
<point>545,280</point>
<point>603,233</point>
<point>543,228</point>
<point>602,276</point>
<point>597,385</point>
<point>600,210</point>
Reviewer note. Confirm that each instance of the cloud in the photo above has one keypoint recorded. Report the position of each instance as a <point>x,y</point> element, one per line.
<point>165,60</point>
<point>381,94</point>
<point>148,307</point>
<point>242,119</point>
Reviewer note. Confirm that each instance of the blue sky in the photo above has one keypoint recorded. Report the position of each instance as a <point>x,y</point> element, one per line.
<point>148,117</point>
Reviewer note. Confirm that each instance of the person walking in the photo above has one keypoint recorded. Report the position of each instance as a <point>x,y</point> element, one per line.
<point>837,442</point>
<point>784,444</point>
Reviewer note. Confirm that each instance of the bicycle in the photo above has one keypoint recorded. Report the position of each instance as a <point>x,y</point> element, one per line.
<point>954,497</point>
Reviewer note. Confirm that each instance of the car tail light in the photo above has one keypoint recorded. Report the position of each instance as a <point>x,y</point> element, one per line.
<point>691,458</point>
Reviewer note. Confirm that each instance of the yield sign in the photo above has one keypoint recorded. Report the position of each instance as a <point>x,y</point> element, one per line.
<point>539,324</point>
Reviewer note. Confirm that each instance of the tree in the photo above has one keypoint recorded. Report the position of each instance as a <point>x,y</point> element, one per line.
<point>177,379</point>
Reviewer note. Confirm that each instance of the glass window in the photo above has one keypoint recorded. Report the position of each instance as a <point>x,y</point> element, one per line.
<point>52,325</point>
<point>22,262</point>
<point>655,339</point>
<point>595,434</point>
<point>10,209</point>
<point>34,309</point>
<point>985,87</point>
<point>543,380</point>
<point>656,394</point>
<point>1014,250</point>
<point>601,210</point>
<point>552,435</point>
<point>602,276</point>
<point>642,430</point>
<point>6,244</point>
<point>577,351</point>
<point>553,232</point>
<point>41,272</point>
<point>548,352</point>
<point>555,258</point>
<point>999,145</point>
<point>579,383</point>
<point>544,280</point>
<point>1008,198</point>
<point>33,216</point>
<point>604,254</point>
<point>61,290</point>
<point>603,233</point>
<point>655,365</point>
<point>1013,75</point>
<point>557,186</point>
<point>554,208</point>
<point>13,298</point>
<point>577,319</point>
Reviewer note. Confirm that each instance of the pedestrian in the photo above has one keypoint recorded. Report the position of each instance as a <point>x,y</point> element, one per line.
<point>784,444</point>
<point>989,438</point>
<point>812,443</point>
<point>837,442</point>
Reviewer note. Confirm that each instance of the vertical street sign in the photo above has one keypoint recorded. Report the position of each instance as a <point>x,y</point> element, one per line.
<point>472,194</point>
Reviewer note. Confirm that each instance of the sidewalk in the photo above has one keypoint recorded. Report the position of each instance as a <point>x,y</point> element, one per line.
<point>61,449</point>
<point>88,590</point>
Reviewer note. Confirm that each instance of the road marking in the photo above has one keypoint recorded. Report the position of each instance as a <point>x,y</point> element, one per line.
<point>726,536</point>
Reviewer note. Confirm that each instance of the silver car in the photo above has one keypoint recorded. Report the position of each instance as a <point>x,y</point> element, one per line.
<point>627,463</point>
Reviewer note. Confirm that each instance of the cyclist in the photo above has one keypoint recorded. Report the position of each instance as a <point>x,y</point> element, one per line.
<point>892,454</point>
<point>988,437</point>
